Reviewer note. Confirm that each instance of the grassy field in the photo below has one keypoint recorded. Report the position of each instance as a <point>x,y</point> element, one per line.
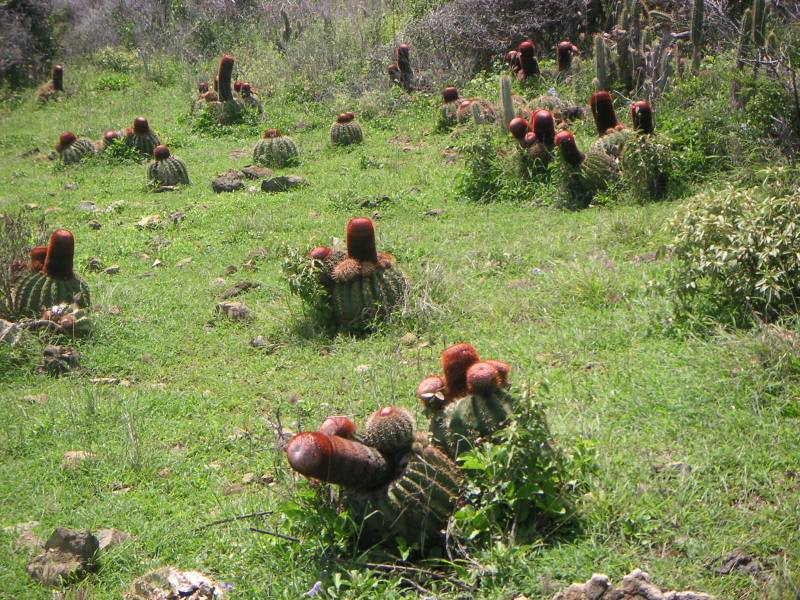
<point>565,297</point>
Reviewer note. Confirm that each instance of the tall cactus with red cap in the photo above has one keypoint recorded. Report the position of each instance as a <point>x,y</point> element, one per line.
<point>391,481</point>
<point>584,175</point>
<point>141,138</point>
<point>53,89</point>
<point>400,71</point>
<point>55,283</point>
<point>361,286</point>
<point>646,164</point>
<point>469,401</point>
<point>224,107</point>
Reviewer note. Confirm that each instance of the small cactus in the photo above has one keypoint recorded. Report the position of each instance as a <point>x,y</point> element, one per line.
<point>345,131</point>
<point>507,101</point>
<point>477,110</point>
<point>55,283</point>
<point>250,99</point>
<point>528,65</point>
<point>646,164</point>
<point>165,169</point>
<point>564,52</point>
<point>584,175</point>
<point>602,81</point>
<point>141,137</point>
<point>390,430</point>
<point>759,25</point>
<point>72,320</point>
<point>605,118</point>
<point>73,149</point>
<point>448,108</point>
<point>54,88</point>
<point>275,150</point>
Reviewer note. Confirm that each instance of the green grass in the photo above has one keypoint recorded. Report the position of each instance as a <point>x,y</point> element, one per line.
<point>563,296</point>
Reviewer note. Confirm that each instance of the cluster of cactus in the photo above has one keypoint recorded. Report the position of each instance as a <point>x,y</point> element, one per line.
<point>468,402</point>
<point>392,481</point>
<point>535,140</point>
<point>52,89</point>
<point>141,138</point>
<point>52,282</point>
<point>346,131</point>
<point>223,107</point>
<point>613,134</point>
<point>276,150</point>
<point>72,149</point>
<point>165,169</point>
<point>361,285</point>
<point>638,52</point>
<point>448,109</point>
<point>754,31</point>
<point>522,61</point>
<point>400,72</point>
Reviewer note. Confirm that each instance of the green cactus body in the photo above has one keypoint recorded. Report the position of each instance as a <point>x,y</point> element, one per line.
<point>745,38</point>
<point>602,80</point>
<point>509,110</point>
<point>276,152</point>
<point>612,143</point>
<point>225,112</point>
<point>415,505</point>
<point>461,423</point>
<point>447,114</point>
<point>345,134</point>
<point>168,171</point>
<point>390,430</point>
<point>360,301</point>
<point>597,172</point>
<point>76,151</point>
<point>759,24</point>
<point>646,167</point>
<point>253,103</point>
<point>145,143</point>
<point>37,292</point>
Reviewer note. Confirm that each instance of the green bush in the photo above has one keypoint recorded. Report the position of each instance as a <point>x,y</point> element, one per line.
<point>482,177</point>
<point>738,254</point>
<point>113,81</point>
<point>118,60</point>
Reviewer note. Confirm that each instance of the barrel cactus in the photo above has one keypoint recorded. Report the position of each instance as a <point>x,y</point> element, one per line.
<point>363,285</point>
<point>448,108</point>
<point>528,65</point>
<point>646,164</point>
<point>141,137</point>
<point>346,131</point>
<point>470,401</point>
<point>54,88</point>
<point>56,283</point>
<point>613,134</point>
<point>564,52</point>
<point>392,482</point>
<point>250,99</point>
<point>276,150</point>
<point>166,169</point>
<point>73,149</point>
<point>584,175</point>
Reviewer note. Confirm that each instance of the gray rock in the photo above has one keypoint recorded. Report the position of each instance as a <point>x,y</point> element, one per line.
<point>235,311</point>
<point>95,264</point>
<point>87,207</point>
<point>239,289</point>
<point>58,360</point>
<point>256,172</point>
<point>112,270</point>
<point>94,224</point>
<point>283,183</point>
<point>635,586</point>
<point>169,583</point>
<point>737,562</point>
<point>69,555</point>
<point>434,212</point>
<point>228,182</point>
<point>111,537</point>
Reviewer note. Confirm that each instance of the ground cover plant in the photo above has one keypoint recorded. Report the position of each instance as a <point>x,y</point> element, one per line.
<point>676,436</point>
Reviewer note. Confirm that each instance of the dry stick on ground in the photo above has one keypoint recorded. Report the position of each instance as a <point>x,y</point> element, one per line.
<point>276,534</point>
<point>236,518</point>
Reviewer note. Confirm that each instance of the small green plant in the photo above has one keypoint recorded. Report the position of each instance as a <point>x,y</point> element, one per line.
<point>303,280</point>
<point>116,59</point>
<point>113,82</point>
<point>518,482</point>
<point>481,179</point>
<point>737,253</point>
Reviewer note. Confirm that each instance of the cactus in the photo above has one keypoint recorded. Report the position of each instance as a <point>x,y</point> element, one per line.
<point>564,52</point>
<point>605,118</point>
<point>646,165</point>
<point>50,90</point>
<point>476,109</point>
<point>697,35</point>
<point>448,108</point>
<point>165,169</point>
<point>109,137</point>
<point>56,283</point>
<point>72,320</point>
<point>390,430</point>
<point>509,109</point>
<point>469,402</point>
<point>602,80</point>
<point>584,175</point>
<point>141,137</point>
<point>528,65</point>
<point>73,149</point>
<point>339,425</point>
<point>402,74</point>
<point>250,99</point>
<point>759,25</point>
<point>227,109</point>
<point>345,131</point>
<point>275,150</point>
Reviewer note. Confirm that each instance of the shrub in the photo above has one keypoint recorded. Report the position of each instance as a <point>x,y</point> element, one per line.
<point>118,60</point>
<point>113,81</point>
<point>738,254</point>
<point>482,177</point>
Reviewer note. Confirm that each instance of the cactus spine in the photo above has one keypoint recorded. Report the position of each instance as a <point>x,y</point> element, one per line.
<point>507,100</point>
<point>697,35</point>
<point>276,150</point>
<point>166,169</point>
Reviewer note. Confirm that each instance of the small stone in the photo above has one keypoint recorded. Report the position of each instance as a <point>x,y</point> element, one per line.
<point>434,212</point>
<point>149,222</point>
<point>252,189</point>
<point>266,479</point>
<point>248,478</point>
<point>58,360</point>
<point>233,488</point>
<point>449,157</point>
<point>283,183</point>
<point>737,562</point>
<point>87,207</point>
<point>183,262</point>
<point>112,270</point>
<point>115,310</point>
<point>230,270</point>
<point>235,311</point>
<point>363,368</point>
<point>409,339</point>
<point>256,172</point>
<point>94,224</point>
<point>115,206</point>
<point>28,541</point>
<point>74,458</point>
<point>169,583</point>
<point>228,182</point>
<point>111,537</point>
<point>239,289</point>
<point>36,398</point>
<point>218,282</point>
<point>94,264</point>
<point>70,186</point>
<point>69,555</point>
<point>104,381</point>
<point>177,217</point>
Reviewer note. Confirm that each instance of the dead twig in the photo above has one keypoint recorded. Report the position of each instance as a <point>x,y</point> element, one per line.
<point>276,534</point>
<point>233,519</point>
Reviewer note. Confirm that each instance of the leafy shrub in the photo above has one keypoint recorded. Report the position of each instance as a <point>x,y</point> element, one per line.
<point>738,254</point>
<point>481,179</point>
<point>303,280</point>
<point>118,60</point>
<point>519,483</point>
<point>113,82</point>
